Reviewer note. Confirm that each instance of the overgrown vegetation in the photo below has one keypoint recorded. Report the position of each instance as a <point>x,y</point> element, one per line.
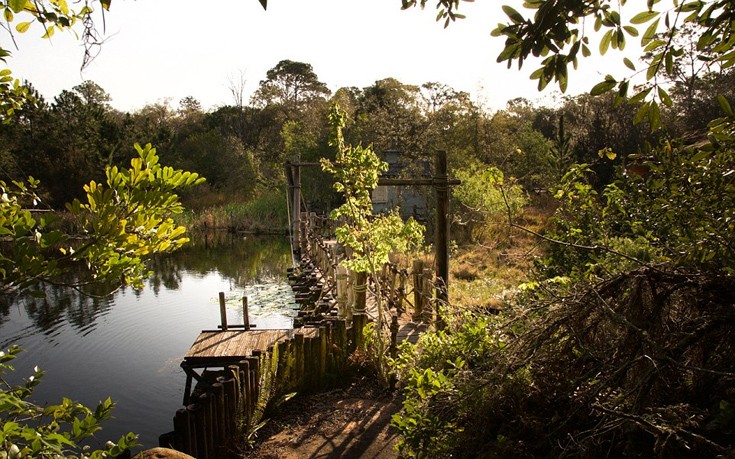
<point>619,344</point>
<point>368,239</point>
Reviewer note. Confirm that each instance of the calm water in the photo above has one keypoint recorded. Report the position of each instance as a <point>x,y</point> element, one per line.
<point>129,345</point>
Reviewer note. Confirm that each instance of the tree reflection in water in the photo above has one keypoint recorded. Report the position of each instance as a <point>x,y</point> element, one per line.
<point>245,259</point>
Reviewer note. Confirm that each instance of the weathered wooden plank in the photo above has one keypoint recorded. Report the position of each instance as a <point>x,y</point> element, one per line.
<point>218,346</point>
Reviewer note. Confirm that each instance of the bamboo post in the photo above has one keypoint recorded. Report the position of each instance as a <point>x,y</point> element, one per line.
<point>418,284</point>
<point>245,313</point>
<point>342,290</point>
<point>428,313</point>
<point>360,288</point>
<point>223,310</point>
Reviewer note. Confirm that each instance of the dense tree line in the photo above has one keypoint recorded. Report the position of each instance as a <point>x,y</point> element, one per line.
<point>241,148</point>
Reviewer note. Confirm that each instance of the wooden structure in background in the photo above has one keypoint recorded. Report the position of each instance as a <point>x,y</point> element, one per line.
<point>441,184</point>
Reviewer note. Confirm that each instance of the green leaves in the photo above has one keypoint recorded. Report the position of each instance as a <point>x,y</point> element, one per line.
<point>554,33</point>
<point>372,238</point>
<point>124,221</point>
<point>725,105</point>
<point>130,218</point>
<point>514,15</point>
<point>604,86</point>
<point>55,431</point>
<point>17,5</point>
<point>643,17</point>
<point>22,27</point>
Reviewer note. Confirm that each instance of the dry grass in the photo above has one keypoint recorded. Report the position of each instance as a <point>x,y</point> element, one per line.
<point>483,274</point>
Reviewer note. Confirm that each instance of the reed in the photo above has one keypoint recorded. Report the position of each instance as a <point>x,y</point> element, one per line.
<point>265,214</point>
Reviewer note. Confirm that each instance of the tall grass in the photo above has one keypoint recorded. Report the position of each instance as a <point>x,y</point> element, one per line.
<point>265,214</point>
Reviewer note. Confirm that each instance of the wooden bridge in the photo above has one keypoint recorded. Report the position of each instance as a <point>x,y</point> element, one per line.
<point>240,371</point>
<point>234,372</point>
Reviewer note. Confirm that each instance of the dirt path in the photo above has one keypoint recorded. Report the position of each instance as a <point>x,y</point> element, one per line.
<point>351,422</point>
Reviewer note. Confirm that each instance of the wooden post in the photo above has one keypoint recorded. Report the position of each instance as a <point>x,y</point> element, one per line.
<point>340,340</point>
<point>245,313</point>
<point>304,241</point>
<point>308,364</point>
<point>418,287</point>
<point>218,420</point>
<point>401,291</point>
<point>246,389</point>
<point>182,436</point>
<point>393,350</point>
<point>254,381</point>
<point>223,310</point>
<point>283,377</point>
<point>204,428</point>
<point>392,293</point>
<point>299,356</point>
<point>359,320</point>
<point>199,431</point>
<point>296,225</point>
<point>232,399</point>
<point>441,185</point>
<point>352,276</point>
<point>322,355</point>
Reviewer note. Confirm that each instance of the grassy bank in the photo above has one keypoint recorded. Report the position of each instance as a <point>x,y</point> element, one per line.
<point>266,214</point>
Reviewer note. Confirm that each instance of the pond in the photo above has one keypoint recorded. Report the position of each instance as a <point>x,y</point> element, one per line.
<point>129,345</point>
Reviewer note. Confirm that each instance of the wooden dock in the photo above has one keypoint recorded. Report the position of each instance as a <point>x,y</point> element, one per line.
<point>223,347</point>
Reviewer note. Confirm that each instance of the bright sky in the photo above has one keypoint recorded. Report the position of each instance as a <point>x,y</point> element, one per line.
<point>170,49</point>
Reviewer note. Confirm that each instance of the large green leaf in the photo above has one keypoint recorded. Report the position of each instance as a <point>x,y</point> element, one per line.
<point>17,5</point>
